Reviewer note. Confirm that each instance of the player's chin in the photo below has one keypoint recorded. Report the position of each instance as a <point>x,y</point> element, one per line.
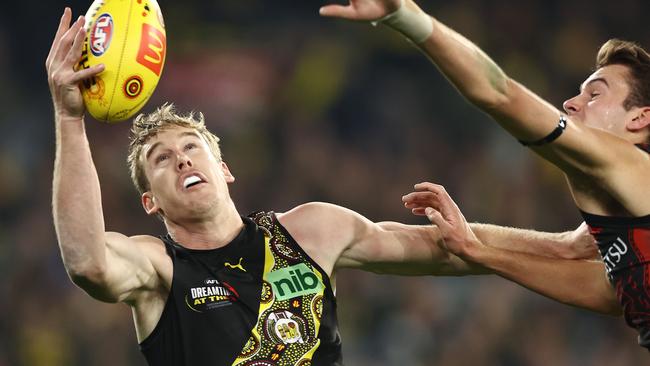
<point>197,207</point>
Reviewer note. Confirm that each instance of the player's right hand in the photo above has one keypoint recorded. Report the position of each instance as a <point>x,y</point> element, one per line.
<point>361,10</point>
<point>61,76</point>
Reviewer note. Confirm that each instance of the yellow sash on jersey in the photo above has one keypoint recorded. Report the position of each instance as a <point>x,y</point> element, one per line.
<point>291,304</point>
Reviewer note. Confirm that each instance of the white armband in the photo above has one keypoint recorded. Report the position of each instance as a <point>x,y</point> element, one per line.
<point>411,21</point>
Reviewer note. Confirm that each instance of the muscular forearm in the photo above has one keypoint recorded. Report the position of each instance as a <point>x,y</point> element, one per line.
<point>76,201</point>
<point>466,66</point>
<point>576,244</point>
<point>521,240</point>
<point>581,283</point>
<point>417,250</point>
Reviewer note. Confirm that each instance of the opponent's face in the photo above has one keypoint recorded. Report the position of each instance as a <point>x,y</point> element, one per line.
<point>600,102</point>
<point>186,180</point>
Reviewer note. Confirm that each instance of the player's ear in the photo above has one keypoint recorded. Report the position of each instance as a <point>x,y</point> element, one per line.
<point>226,172</point>
<point>641,121</point>
<point>149,203</point>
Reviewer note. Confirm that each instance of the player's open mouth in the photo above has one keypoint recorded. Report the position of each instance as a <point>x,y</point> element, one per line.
<point>192,181</point>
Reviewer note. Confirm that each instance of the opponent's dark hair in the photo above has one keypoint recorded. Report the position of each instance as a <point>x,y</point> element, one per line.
<point>637,60</point>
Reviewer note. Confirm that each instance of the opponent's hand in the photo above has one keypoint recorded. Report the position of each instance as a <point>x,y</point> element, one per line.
<point>433,201</point>
<point>61,76</point>
<point>361,10</point>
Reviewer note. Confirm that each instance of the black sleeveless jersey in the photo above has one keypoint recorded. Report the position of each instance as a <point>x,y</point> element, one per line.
<point>624,245</point>
<point>258,301</point>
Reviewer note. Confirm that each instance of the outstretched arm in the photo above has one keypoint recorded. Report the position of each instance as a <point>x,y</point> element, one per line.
<point>109,266</point>
<point>578,151</point>
<point>471,70</point>
<point>581,283</point>
<point>336,237</point>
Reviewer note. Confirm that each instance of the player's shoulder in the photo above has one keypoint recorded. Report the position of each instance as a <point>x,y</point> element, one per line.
<point>148,244</point>
<point>316,218</point>
<point>147,240</point>
<point>323,230</point>
<point>313,212</point>
<point>154,249</point>
<point>313,208</point>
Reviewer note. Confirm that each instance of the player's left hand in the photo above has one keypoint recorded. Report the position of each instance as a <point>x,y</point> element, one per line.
<point>361,10</point>
<point>433,201</point>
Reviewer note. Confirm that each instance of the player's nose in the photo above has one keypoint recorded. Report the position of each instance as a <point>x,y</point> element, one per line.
<point>571,106</point>
<point>184,162</point>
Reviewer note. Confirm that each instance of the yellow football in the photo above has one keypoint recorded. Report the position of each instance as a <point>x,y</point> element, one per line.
<point>128,37</point>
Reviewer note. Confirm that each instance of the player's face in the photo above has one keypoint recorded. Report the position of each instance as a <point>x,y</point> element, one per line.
<point>186,180</point>
<point>600,102</point>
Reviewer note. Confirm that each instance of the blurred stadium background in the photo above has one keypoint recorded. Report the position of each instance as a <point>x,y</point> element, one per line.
<point>316,109</point>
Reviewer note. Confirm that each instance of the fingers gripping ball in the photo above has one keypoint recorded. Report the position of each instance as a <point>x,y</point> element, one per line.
<point>128,37</point>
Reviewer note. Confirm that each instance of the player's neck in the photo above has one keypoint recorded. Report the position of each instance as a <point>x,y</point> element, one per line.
<point>214,232</point>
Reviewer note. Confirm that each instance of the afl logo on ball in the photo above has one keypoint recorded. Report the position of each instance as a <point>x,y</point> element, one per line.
<point>101,34</point>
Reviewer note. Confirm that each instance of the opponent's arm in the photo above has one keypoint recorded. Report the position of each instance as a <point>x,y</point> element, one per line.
<point>109,266</point>
<point>525,115</point>
<point>581,283</point>
<point>470,69</point>
<point>576,244</point>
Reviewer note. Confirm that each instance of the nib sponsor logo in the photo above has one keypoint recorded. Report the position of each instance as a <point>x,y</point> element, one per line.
<point>294,281</point>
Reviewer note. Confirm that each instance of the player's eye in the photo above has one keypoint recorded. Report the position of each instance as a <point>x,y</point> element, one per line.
<point>162,157</point>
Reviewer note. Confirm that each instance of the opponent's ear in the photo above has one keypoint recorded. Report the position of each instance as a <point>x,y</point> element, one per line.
<point>641,121</point>
<point>226,172</point>
<point>149,203</point>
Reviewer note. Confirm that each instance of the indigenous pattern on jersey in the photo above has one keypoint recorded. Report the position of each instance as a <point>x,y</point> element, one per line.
<point>291,307</point>
<point>624,244</point>
<point>258,301</point>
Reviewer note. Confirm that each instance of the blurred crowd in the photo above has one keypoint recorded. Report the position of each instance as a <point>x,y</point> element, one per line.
<point>316,109</point>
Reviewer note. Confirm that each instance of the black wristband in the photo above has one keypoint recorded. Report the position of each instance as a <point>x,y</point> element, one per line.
<point>561,125</point>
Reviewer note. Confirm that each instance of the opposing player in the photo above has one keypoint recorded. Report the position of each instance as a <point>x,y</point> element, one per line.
<point>600,141</point>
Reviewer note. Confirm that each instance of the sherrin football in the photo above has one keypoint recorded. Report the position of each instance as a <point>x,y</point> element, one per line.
<point>128,37</point>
